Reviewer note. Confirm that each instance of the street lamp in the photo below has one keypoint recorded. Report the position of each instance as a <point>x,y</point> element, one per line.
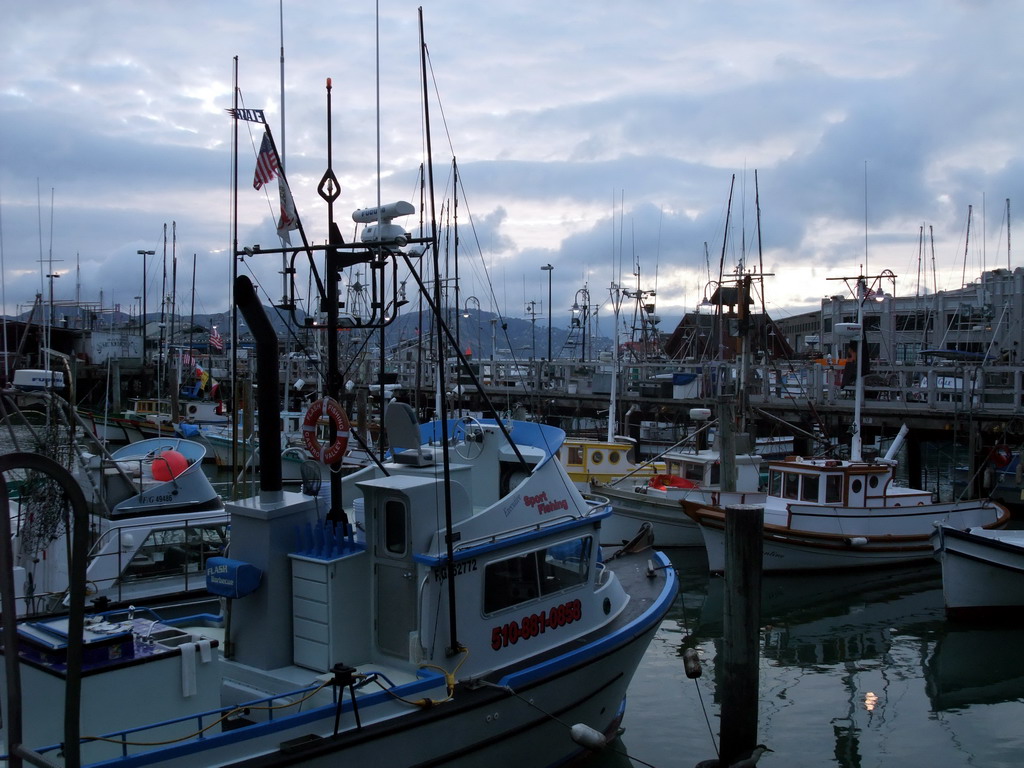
<point>144,254</point>
<point>549,269</point>
<point>465,314</point>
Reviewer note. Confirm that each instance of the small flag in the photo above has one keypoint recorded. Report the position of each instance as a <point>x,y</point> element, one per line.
<point>266,163</point>
<point>216,340</point>
<point>289,218</point>
<point>249,115</point>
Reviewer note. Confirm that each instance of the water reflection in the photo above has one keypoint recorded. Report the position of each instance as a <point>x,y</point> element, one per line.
<point>855,670</point>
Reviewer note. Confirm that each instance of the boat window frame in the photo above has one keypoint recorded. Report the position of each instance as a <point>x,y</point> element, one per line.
<point>394,509</point>
<point>810,488</point>
<point>692,471</point>
<point>574,455</point>
<point>537,574</point>
<point>791,486</point>
<point>833,488</point>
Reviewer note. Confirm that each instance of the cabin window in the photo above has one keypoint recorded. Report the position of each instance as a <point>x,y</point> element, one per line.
<point>531,575</point>
<point>176,551</point>
<point>873,481</point>
<point>833,489</point>
<point>614,457</point>
<point>791,486</point>
<point>716,474</point>
<point>809,490</point>
<point>856,485</point>
<point>597,457</point>
<point>575,456</point>
<point>693,471</point>
<point>775,483</point>
<point>394,527</point>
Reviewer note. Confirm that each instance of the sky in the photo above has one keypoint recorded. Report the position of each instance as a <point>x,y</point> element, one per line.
<point>657,145</point>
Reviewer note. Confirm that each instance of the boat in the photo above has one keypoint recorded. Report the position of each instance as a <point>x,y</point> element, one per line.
<point>473,619</point>
<point>153,417</point>
<point>823,514</point>
<point>828,514</point>
<point>590,460</point>
<point>693,473</point>
<point>154,520</point>
<point>982,571</point>
<point>231,449</point>
<point>344,647</point>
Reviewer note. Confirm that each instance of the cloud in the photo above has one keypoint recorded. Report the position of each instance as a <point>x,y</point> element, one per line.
<point>606,140</point>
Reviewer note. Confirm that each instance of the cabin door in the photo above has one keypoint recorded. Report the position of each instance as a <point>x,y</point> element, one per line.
<point>395,581</point>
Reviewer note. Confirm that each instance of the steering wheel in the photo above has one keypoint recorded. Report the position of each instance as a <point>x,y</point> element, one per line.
<point>469,438</point>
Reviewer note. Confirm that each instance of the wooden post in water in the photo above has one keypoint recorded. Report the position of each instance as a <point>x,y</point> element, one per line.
<point>741,638</point>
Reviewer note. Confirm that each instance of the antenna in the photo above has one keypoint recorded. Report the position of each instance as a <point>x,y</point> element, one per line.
<point>866,216</point>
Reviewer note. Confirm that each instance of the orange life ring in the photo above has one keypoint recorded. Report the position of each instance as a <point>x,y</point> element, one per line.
<point>333,410</point>
<point>1001,456</point>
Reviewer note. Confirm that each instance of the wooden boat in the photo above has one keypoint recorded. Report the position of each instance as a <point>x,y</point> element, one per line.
<point>832,514</point>
<point>827,514</point>
<point>982,571</point>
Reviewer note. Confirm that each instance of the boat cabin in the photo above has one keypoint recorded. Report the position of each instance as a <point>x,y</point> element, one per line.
<point>704,469</point>
<point>833,482</point>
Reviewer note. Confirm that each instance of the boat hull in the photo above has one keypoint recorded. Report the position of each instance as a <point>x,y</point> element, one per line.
<point>669,524</point>
<point>867,539</point>
<point>982,571</point>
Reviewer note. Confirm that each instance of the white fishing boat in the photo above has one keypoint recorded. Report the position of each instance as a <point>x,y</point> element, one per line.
<point>692,472</point>
<point>982,571</point>
<point>830,514</point>
<point>346,649</point>
<point>827,514</point>
<point>154,521</point>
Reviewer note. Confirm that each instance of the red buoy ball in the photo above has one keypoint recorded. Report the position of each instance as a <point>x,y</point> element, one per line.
<point>168,465</point>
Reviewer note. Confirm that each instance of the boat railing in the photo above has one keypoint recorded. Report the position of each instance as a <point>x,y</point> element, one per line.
<point>203,720</point>
<point>511,533</point>
<point>189,562</point>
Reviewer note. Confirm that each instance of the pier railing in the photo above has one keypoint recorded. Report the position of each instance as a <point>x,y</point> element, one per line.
<point>994,389</point>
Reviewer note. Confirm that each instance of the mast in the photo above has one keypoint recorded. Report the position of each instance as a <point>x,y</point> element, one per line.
<point>616,296</point>
<point>176,379</point>
<point>453,645</point>
<point>234,277</point>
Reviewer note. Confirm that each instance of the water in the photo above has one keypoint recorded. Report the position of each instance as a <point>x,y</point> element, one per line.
<point>855,671</point>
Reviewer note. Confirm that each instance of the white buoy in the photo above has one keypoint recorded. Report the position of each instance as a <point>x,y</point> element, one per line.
<point>588,737</point>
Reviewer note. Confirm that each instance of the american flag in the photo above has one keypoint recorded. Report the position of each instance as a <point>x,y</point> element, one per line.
<point>216,340</point>
<point>266,163</point>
